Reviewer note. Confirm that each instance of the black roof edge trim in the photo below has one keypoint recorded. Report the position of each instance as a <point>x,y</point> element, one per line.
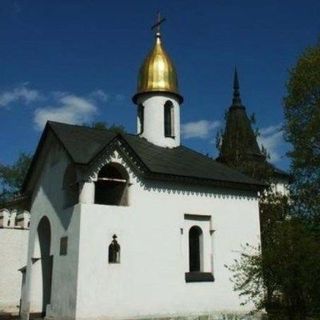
<point>113,145</point>
<point>148,174</point>
<point>37,153</point>
<point>35,157</point>
<point>203,181</point>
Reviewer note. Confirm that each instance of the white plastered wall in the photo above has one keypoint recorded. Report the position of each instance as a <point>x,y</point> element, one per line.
<point>48,201</point>
<point>150,280</point>
<point>154,119</point>
<point>13,244</point>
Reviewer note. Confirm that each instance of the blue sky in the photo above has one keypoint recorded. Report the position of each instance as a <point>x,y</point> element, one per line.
<point>77,61</point>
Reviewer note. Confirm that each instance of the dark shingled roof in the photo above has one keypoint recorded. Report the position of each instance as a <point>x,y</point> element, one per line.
<point>182,161</point>
<point>83,144</point>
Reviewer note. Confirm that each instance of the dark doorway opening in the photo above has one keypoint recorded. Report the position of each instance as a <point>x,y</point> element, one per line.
<point>44,233</point>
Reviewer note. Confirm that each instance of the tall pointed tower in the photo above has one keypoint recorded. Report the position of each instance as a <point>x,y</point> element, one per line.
<point>239,141</point>
<point>158,99</point>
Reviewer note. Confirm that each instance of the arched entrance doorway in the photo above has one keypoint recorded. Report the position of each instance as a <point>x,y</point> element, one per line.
<point>44,236</point>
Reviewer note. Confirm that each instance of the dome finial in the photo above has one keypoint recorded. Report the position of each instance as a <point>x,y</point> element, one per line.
<point>158,24</point>
<point>236,101</point>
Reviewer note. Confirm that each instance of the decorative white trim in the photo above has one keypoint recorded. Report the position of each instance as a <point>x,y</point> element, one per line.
<point>114,155</point>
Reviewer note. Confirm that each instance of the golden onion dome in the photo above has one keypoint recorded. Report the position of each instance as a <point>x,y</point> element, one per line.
<point>157,73</point>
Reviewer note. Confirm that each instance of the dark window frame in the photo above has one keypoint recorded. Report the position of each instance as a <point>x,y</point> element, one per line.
<point>63,246</point>
<point>195,254</point>
<point>141,117</point>
<point>199,277</point>
<point>169,119</point>
<point>196,274</point>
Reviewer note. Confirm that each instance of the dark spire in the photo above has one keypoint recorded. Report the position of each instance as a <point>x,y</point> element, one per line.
<point>236,101</point>
<point>239,141</point>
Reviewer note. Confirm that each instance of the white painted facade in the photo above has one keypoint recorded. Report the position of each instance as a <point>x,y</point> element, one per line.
<point>48,202</point>
<point>154,120</point>
<point>13,243</point>
<point>71,274</point>
<point>152,231</point>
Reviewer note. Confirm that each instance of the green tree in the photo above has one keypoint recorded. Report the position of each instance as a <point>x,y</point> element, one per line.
<point>12,177</point>
<point>255,274</point>
<point>285,279</point>
<point>302,128</point>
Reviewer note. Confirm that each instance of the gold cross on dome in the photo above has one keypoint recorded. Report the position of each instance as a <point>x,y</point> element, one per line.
<point>158,23</point>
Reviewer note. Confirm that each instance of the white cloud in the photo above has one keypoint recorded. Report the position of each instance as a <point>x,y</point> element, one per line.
<point>271,129</point>
<point>60,105</point>
<point>20,94</point>
<point>271,138</point>
<point>201,129</point>
<point>100,95</point>
<point>71,109</point>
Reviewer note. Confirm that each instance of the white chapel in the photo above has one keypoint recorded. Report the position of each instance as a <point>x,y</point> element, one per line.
<point>135,226</point>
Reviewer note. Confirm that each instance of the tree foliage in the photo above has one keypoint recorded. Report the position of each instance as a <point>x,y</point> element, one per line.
<point>283,275</point>
<point>12,177</point>
<point>285,278</point>
<point>302,127</point>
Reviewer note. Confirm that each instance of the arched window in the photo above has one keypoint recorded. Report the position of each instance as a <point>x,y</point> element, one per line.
<point>140,118</point>
<point>195,249</point>
<point>111,187</point>
<point>70,186</point>
<point>114,251</point>
<point>168,119</point>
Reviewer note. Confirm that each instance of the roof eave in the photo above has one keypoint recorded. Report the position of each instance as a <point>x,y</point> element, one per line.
<point>152,175</point>
<point>206,182</point>
<point>37,154</point>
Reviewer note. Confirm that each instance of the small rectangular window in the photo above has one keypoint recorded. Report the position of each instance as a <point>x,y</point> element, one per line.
<point>63,246</point>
